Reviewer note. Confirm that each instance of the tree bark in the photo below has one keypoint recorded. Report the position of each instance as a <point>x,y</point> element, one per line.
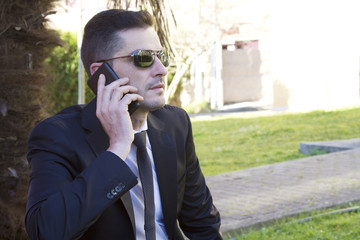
<point>24,44</point>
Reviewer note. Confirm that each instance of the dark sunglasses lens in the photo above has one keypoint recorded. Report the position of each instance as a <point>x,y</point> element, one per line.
<point>144,59</point>
<point>164,58</point>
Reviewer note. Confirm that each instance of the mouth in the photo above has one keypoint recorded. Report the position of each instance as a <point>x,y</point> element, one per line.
<point>157,86</point>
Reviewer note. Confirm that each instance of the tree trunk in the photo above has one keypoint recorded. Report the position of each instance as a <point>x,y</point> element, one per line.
<point>24,44</point>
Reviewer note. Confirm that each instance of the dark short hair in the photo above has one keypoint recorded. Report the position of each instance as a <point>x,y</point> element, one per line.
<point>101,33</point>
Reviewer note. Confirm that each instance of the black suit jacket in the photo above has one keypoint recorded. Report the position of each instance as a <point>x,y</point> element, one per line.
<point>78,190</point>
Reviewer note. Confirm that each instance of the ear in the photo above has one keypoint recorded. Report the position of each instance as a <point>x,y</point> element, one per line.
<point>94,66</point>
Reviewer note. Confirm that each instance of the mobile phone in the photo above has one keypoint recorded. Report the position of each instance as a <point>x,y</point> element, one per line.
<point>110,76</point>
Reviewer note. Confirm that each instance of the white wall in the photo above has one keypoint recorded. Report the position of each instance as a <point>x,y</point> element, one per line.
<point>315,53</point>
<point>68,17</point>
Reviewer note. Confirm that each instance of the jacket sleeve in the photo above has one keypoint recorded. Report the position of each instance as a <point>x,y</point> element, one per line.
<point>199,219</point>
<point>63,200</point>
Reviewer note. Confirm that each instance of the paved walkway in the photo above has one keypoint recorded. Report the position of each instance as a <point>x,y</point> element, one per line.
<point>254,196</point>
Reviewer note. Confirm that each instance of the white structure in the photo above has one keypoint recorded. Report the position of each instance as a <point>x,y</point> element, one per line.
<point>315,53</point>
<point>307,56</point>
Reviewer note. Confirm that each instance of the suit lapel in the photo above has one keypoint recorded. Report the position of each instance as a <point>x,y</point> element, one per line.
<point>99,142</point>
<point>164,152</point>
<point>97,138</point>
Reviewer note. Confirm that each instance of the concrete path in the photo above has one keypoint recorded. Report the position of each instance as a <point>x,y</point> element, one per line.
<point>258,195</point>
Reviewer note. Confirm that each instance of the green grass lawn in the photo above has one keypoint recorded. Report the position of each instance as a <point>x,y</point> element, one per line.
<point>225,144</point>
<point>333,226</point>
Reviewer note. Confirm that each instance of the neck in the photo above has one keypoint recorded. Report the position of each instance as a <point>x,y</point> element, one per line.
<point>138,118</point>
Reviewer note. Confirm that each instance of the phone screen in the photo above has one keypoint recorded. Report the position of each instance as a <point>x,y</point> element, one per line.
<point>110,76</point>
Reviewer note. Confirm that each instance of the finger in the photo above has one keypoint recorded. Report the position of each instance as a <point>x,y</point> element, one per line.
<point>109,89</point>
<point>123,90</point>
<point>128,98</point>
<point>100,87</point>
<point>106,94</point>
<point>116,101</point>
<point>117,83</point>
<point>100,83</point>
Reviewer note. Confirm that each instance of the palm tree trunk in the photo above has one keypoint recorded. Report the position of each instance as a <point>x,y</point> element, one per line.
<point>24,44</point>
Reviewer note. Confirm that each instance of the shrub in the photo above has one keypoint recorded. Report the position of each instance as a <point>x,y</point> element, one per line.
<point>62,69</point>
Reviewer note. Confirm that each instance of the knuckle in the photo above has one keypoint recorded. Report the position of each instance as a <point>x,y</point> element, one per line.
<point>98,114</point>
<point>102,111</point>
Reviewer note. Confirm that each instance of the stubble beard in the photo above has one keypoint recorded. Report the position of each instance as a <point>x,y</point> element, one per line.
<point>155,102</point>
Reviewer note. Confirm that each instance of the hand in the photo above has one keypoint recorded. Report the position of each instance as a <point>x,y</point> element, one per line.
<point>112,111</point>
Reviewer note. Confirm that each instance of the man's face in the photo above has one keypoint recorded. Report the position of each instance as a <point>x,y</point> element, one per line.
<point>149,81</point>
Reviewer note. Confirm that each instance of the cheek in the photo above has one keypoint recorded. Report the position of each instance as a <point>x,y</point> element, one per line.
<point>137,77</point>
<point>138,82</point>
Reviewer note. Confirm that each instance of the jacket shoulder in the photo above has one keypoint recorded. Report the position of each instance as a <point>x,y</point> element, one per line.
<point>68,114</point>
<point>171,110</point>
<point>170,118</point>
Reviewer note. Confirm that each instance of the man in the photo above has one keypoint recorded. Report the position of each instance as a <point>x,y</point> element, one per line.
<point>85,181</point>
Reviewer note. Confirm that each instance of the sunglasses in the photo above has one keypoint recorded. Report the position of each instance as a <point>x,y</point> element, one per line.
<point>145,58</point>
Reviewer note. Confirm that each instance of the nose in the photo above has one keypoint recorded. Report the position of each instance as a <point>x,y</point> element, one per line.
<point>159,68</point>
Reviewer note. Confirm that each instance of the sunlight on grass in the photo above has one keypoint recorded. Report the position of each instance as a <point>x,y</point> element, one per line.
<point>227,144</point>
<point>339,225</point>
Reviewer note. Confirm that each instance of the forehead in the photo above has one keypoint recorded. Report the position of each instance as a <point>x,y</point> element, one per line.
<point>139,38</point>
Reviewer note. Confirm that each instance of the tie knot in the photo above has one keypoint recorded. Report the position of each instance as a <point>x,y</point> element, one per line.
<point>140,140</point>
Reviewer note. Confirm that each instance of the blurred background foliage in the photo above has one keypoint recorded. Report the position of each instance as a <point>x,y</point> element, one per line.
<point>62,70</point>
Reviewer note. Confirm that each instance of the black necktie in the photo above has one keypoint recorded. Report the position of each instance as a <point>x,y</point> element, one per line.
<point>146,177</point>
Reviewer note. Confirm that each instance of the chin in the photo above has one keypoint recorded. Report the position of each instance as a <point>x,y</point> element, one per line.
<point>151,106</point>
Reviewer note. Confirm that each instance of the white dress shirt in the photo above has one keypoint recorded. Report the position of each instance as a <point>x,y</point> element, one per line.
<point>137,196</point>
